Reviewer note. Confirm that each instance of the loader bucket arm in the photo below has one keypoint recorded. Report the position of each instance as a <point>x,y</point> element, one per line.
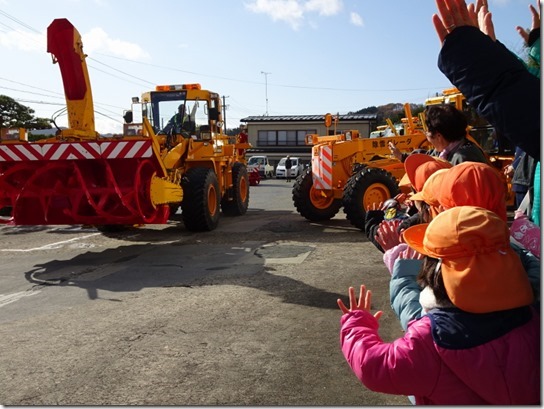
<point>65,45</point>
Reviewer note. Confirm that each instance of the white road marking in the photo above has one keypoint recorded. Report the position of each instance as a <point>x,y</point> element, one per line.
<point>51,246</point>
<point>6,299</point>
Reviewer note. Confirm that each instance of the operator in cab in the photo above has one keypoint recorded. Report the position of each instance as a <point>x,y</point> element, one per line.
<point>180,123</point>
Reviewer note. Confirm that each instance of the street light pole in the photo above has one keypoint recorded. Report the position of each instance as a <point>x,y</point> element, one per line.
<point>266,89</point>
<point>224,115</point>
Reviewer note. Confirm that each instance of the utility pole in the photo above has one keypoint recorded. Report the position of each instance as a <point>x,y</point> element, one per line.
<point>266,89</point>
<point>225,115</point>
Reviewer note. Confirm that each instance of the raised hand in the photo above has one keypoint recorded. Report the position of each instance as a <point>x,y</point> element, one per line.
<point>374,206</point>
<point>364,303</point>
<point>410,253</point>
<point>453,13</point>
<point>387,235</point>
<point>535,12</point>
<point>395,151</point>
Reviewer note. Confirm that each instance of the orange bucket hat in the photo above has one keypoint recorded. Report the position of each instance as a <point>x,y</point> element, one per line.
<point>431,188</point>
<point>474,184</point>
<point>480,270</point>
<point>419,167</point>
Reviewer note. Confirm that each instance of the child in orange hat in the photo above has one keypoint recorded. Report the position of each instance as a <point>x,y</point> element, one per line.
<point>480,345</point>
<point>418,168</point>
<point>469,183</point>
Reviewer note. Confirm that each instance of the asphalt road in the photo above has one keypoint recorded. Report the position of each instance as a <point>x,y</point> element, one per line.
<point>243,315</point>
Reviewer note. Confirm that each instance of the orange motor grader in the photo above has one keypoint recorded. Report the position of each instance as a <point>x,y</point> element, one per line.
<point>139,177</point>
<point>353,172</point>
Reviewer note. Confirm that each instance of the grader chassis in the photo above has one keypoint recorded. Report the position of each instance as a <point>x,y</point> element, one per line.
<point>352,172</point>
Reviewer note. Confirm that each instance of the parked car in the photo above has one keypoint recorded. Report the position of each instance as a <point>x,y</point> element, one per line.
<point>262,164</point>
<point>296,168</point>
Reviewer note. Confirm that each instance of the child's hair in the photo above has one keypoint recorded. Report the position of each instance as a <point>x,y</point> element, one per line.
<point>431,276</point>
<point>425,212</point>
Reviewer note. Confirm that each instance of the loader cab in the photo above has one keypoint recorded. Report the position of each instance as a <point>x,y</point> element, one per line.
<point>200,109</point>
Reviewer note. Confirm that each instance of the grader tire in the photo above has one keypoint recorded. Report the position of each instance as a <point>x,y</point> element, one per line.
<point>239,192</point>
<point>201,196</point>
<point>367,186</point>
<point>310,202</point>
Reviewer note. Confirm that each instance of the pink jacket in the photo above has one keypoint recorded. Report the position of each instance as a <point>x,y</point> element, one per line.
<point>501,371</point>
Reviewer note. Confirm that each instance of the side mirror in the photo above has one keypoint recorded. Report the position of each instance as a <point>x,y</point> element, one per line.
<point>128,117</point>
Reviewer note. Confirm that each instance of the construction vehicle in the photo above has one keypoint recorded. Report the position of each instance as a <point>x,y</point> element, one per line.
<point>353,172</point>
<point>139,177</point>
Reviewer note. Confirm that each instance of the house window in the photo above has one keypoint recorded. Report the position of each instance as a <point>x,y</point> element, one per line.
<point>283,137</point>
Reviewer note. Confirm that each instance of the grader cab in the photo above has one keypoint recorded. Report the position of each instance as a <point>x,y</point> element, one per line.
<point>353,172</point>
<point>140,177</point>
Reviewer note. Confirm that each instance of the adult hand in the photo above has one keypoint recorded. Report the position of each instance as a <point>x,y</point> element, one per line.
<point>387,235</point>
<point>535,24</point>
<point>483,17</point>
<point>509,171</point>
<point>453,13</point>
<point>395,151</point>
<point>364,303</point>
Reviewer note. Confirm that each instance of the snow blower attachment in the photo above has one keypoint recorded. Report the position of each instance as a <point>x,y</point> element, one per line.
<point>80,177</point>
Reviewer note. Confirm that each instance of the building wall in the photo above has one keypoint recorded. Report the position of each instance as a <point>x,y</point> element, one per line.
<point>275,153</point>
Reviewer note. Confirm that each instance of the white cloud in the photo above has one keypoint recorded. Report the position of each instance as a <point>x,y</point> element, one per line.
<point>324,7</point>
<point>95,40</point>
<point>356,19</point>
<point>98,40</point>
<point>293,11</point>
<point>24,41</point>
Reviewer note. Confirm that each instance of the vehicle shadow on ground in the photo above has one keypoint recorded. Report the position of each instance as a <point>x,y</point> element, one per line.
<point>135,267</point>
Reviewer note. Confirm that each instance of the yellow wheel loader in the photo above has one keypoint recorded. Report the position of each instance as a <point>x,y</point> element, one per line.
<point>139,177</point>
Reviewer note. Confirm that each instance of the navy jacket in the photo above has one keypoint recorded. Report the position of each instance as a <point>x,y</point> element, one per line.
<point>496,83</point>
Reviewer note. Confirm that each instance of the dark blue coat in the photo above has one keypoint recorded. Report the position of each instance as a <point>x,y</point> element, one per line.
<point>496,83</point>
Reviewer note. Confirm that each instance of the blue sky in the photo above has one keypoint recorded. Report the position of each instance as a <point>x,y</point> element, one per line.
<point>320,55</point>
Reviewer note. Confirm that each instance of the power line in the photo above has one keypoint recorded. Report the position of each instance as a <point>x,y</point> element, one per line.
<point>122,72</point>
<point>16,20</point>
<point>277,85</point>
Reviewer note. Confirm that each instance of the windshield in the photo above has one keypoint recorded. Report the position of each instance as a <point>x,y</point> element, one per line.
<point>165,105</point>
<point>254,160</point>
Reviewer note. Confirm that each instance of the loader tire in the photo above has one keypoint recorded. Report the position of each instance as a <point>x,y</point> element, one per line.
<point>238,194</point>
<point>201,196</point>
<point>310,202</point>
<point>367,186</point>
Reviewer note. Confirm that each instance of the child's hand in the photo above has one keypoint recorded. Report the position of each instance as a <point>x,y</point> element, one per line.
<point>387,235</point>
<point>374,206</point>
<point>364,303</point>
<point>401,197</point>
<point>410,253</point>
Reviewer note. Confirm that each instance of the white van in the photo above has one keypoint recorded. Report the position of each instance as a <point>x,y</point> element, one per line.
<point>296,168</point>
<point>262,164</point>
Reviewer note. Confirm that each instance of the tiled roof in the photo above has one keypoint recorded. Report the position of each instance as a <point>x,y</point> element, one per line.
<point>300,118</point>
